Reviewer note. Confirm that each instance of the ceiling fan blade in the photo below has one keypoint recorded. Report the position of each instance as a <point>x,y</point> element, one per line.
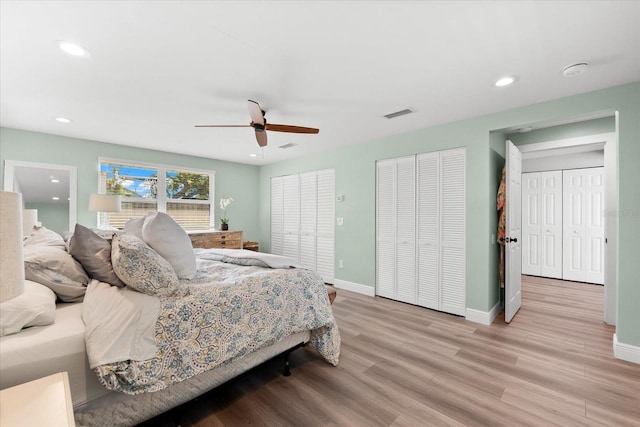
<point>223,126</point>
<point>261,137</point>
<point>257,116</point>
<point>290,128</point>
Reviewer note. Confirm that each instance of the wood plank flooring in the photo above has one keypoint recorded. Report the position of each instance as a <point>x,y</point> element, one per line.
<point>403,365</point>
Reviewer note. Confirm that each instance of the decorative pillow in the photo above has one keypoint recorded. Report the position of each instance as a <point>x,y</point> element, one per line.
<point>94,254</point>
<point>170,240</point>
<point>35,307</point>
<point>142,268</point>
<point>134,226</point>
<point>56,269</point>
<point>44,236</point>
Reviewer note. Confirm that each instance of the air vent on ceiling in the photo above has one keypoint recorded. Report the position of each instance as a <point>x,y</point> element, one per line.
<point>289,145</point>
<point>398,113</point>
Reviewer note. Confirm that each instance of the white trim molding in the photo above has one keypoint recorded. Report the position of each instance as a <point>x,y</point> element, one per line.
<point>483,317</point>
<point>355,287</point>
<point>627,352</point>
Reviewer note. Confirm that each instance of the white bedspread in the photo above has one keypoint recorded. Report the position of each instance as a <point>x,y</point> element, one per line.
<point>246,257</point>
<point>120,324</point>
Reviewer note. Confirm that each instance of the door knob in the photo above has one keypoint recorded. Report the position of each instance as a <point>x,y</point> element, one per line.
<point>511,239</point>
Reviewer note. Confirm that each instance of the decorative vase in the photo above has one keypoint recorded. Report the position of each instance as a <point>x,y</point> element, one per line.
<point>224,227</point>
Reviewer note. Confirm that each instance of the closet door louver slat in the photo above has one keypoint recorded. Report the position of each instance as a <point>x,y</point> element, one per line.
<point>428,219</point>
<point>452,227</point>
<point>385,229</point>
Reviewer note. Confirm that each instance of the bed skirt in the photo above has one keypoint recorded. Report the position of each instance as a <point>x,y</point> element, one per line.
<point>118,409</point>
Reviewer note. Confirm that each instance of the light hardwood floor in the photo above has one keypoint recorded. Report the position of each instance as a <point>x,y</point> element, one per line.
<point>403,365</point>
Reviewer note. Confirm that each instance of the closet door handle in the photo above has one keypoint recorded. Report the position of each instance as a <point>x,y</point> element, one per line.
<point>510,239</point>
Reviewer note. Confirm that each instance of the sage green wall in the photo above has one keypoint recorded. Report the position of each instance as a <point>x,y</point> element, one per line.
<point>232,179</point>
<point>53,216</point>
<point>355,178</point>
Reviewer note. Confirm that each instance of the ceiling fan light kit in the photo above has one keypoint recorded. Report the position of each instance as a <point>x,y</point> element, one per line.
<point>260,125</point>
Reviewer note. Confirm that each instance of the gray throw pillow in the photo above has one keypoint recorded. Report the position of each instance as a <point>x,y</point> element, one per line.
<point>94,254</point>
<point>53,267</point>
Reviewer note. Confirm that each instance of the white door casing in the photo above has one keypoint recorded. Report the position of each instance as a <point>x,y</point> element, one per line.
<point>513,249</point>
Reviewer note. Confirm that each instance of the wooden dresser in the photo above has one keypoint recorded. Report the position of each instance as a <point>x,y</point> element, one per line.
<point>216,239</point>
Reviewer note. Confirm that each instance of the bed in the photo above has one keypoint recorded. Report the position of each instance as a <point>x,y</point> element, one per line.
<point>131,355</point>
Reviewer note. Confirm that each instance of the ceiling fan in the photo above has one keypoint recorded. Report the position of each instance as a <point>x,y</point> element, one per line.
<point>260,125</point>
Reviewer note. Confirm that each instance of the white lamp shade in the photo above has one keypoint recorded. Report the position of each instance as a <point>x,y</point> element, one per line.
<point>29,220</point>
<point>11,253</point>
<point>105,203</point>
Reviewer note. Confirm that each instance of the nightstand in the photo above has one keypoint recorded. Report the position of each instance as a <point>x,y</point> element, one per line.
<point>42,402</point>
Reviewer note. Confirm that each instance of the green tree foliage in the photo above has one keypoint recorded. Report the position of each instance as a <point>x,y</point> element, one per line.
<point>184,185</point>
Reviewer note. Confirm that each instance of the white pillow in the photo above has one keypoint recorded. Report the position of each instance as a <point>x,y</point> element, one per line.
<point>134,226</point>
<point>170,240</point>
<point>35,307</point>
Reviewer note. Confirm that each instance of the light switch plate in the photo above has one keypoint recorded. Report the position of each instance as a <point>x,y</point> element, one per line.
<point>339,221</point>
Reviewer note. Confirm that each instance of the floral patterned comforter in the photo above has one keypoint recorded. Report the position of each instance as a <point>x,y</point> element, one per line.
<point>230,311</point>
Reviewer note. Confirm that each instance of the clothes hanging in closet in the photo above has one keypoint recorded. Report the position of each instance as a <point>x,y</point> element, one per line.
<point>502,215</point>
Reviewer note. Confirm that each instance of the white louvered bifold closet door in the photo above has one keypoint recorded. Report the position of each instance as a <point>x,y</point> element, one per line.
<point>276,215</point>
<point>385,228</point>
<point>325,229</point>
<point>406,229</point>
<point>452,231</point>
<point>308,206</point>
<point>302,220</point>
<point>291,217</point>
<point>427,230</point>
<point>420,230</point>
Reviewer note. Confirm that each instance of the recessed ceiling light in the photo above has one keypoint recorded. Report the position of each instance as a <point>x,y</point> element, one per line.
<point>73,49</point>
<point>505,81</point>
<point>525,129</point>
<point>253,155</point>
<point>63,120</point>
<point>55,198</point>
<point>55,181</point>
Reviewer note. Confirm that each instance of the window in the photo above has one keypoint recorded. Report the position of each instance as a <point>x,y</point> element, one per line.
<point>184,194</point>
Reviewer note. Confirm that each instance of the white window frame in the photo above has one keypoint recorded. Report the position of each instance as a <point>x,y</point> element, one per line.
<point>162,200</point>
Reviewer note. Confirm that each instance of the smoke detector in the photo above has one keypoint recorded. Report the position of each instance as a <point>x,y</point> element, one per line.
<point>575,69</point>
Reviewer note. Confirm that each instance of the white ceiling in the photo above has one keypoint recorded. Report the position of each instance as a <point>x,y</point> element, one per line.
<point>157,68</point>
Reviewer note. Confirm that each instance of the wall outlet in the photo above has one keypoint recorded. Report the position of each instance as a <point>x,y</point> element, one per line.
<point>340,221</point>
<point>340,264</point>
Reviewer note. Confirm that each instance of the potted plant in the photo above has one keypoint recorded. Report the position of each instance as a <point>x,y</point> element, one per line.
<point>224,204</point>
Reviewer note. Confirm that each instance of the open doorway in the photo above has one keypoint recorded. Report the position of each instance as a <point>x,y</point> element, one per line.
<point>597,146</point>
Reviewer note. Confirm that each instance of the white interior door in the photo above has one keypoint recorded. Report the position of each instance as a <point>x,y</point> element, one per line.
<point>574,227</point>
<point>531,230</point>
<point>513,249</point>
<point>551,224</point>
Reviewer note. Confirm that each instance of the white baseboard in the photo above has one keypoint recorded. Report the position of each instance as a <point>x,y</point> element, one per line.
<point>355,287</point>
<point>483,317</point>
<point>627,352</point>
